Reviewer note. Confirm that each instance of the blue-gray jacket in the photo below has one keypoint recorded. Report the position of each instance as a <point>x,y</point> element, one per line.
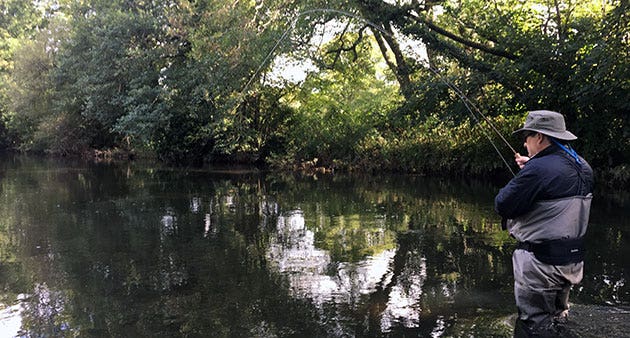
<point>551,174</point>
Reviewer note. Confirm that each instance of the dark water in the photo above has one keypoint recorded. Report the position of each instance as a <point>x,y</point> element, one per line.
<point>102,250</point>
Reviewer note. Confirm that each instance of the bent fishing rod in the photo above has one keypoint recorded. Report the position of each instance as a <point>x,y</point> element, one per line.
<point>470,106</point>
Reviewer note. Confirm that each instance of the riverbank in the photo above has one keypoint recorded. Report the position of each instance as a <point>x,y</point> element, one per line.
<point>610,179</point>
<point>613,180</point>
<point>590,321</point>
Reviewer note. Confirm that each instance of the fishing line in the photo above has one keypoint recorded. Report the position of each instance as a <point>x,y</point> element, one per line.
<point>291,27</point>
<point>470,106</point>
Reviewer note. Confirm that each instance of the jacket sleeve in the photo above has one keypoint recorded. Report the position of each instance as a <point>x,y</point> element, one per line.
<point>519,195</point>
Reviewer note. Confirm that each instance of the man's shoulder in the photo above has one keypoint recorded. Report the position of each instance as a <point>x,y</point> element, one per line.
<point>544,163</point>
<point>551,162</point>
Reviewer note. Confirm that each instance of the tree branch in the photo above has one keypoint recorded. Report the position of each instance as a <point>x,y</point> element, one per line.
<point>386,43</point>
<point>457,38</point>
<point>352,48</point>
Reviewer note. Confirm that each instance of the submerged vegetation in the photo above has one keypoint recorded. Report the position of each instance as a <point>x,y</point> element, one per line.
<point>200,81</point>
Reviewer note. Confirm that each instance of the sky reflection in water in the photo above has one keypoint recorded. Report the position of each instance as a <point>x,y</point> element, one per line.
<point>294,253</point>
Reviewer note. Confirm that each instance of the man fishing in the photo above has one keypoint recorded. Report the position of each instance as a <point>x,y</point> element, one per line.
<point>545,207</point>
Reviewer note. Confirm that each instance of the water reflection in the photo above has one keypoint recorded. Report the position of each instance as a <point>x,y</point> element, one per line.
<point>130,251</point>
<point>313,276</point>
<point>11,319</point>
<point>311,272</point>
<point>404,303</point>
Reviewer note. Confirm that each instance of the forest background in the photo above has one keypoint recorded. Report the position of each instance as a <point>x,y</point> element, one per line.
<point>387,86</point>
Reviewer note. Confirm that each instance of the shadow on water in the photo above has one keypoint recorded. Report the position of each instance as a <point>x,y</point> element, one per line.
<point>133,250</point>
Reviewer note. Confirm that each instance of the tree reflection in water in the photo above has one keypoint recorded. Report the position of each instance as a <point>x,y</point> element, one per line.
<point>294,253</point>
<point>120,251</point>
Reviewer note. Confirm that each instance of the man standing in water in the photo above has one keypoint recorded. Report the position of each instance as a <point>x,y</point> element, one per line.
<point>546,209</point>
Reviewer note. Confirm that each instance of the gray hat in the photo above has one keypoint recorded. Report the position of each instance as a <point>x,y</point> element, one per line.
<point>548,123</point>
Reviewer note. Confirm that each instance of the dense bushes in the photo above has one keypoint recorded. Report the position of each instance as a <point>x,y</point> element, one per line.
<point>434,147</point>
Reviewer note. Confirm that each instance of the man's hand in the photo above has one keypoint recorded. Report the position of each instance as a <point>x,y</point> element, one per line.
<point>520,160</point>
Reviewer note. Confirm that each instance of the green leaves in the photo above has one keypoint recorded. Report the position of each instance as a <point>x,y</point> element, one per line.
<point>338,107</point>
<point>189,81</point>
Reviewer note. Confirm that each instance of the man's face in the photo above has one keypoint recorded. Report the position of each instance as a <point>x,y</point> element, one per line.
<point>532,141</point>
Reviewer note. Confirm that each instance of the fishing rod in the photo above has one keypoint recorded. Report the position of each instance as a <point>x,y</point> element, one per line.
<point>291,27</point>
<point>470,106</point>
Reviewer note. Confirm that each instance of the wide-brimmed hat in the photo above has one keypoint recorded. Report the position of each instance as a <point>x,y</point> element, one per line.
<point>548,123</point>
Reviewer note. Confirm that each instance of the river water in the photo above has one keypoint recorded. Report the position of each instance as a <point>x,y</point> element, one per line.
<point>103,250</point>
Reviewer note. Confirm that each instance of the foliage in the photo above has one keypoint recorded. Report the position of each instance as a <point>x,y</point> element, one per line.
<point>18,24</point>
<point>499,43</point>
<point>442,148</point>
<point>190,81</point>
<point>31,90</point>
<point>340,106</point>
<point>109,69</point>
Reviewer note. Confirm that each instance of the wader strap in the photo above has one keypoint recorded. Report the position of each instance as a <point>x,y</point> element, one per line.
<point>578,165</point>
<point>557,251</point>
<point>568,150</point>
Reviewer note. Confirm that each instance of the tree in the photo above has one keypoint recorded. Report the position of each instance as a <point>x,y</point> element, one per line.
<point>343,104</point>
<point>20,22</point>
<point>219,103</point>
<point>109,68</point>
<point>535,54</point>
<point>30,88</point>
<point>189,80</point>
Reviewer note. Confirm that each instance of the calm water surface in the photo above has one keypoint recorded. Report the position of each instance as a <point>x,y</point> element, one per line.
<point>101,250</point>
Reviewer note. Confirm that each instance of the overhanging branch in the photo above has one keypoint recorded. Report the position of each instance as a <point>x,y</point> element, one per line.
<point>457,38</point>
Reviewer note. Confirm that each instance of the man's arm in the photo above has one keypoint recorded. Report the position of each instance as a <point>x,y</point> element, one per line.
<point>518,196</point>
